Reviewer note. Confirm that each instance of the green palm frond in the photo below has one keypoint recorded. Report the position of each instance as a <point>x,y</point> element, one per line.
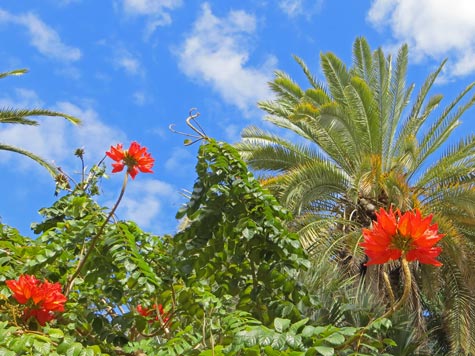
<point>336,75</point>
<point>415,120</point>
<point>459,312</point>
<point>381,85</point>
<point>442,128</point>
<point>312,181</point>
<point>363,115</point>
<point>316,97</point>
<point>457,164</point>
<point>49,167</point>
<point>256,137</point>
<point>19,116</point>
<point>285,88</point>
<point>399,99</point>
<point>311,79</point>
<point>13,72</point>
<point>329,129</point>
<point>28,117</point>
<point>362,60</point>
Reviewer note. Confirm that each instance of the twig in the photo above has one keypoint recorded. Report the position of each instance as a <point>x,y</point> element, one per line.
<point>94,240</point>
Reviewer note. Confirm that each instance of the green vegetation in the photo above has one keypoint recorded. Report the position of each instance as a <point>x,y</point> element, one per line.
<point>268,266</point>
<point>360,147</point>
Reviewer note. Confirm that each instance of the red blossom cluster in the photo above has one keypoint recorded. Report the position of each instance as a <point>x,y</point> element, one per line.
<point>136,159</point>
<point>394,233</point>
<point>149,312</point>
<point>42,299</point>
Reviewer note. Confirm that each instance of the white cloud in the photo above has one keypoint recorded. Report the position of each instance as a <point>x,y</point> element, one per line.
<point>45,39</point>
<point>291,7</point>
<point>217,52</point>
<point>144,201</point>
<point>233,133</point>
<point>294,8</point>
<point>157,11</point>
<point>93,134</point>
<point>129,63</point>
<point>181,162</point>
<point>140,98</point>
<point>55,139</point>
<point>434,29</point>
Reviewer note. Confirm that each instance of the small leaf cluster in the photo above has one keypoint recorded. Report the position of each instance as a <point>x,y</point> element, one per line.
<point>300,339</point>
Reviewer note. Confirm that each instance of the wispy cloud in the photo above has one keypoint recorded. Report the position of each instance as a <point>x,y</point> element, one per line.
<point>144,204</point>
<point>45,39</point>
<point>140,98</point>
<point>157,12</point>
<point>129,63</point>
<point>181,162</point>
<point>216,52</point>
<point>433,29</point>
<point>55,139</point>
<point>294,8</point>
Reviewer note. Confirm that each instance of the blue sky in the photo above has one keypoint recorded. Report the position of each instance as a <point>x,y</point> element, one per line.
<point>130,68</point>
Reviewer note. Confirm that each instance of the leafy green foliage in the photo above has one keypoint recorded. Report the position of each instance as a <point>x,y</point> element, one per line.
<point>301,339</point>
<point>235,241</point>
<point>15,341</point>
<point>227,284</point>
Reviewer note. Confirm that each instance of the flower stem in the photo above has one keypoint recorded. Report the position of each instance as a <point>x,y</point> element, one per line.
<point>387,282</point>
<point>94,240</point>
<point>407,288</point>
<point>394,306</point>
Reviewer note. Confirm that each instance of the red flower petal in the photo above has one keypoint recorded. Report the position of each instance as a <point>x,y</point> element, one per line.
<point>135,159</point>
<point>395,233</point>
<point>25,288</point>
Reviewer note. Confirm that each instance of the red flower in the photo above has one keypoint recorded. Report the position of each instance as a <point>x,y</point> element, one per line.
<point>42,298</point>
<point>25,288</point>
<point>394,233</point>
<point>135,159</point>
<point>53,298</point>
<point>146,312</point>
<point>42,315</point>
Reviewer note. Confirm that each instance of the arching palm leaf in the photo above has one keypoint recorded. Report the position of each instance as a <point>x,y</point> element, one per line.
<point>25,117</point>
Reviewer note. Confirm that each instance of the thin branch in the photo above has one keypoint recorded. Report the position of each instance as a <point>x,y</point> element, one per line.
<point>94,240</point>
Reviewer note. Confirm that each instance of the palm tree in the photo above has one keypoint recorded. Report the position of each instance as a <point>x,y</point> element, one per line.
<point>358,145</point>
<point>23,117</point>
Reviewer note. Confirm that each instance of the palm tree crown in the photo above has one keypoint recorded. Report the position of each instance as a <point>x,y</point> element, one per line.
<point>363,143</point>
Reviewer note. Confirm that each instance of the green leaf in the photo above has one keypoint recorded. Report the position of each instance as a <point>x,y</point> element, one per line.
<point>335,339</point>
<point>296,326</point>
<point>325,350</point>
<point>281,325</point>
<point>390,342</point>
<point>43,348</point>
<point>381,323</point>
<point>308,331</point>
